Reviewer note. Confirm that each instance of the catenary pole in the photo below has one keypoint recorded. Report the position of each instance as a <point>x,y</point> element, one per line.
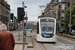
<point>19,31</point>
<point>60,13</point>
<point>70,15</point>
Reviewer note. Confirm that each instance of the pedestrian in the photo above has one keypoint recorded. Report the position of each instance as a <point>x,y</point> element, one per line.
<point>73,31</point>
<point>31,31</point>
<point>6,39</point>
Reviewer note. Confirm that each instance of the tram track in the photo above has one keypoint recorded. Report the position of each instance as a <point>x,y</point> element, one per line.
<point>50,44</point>
<point>42,46</point>
<point>57,45</point>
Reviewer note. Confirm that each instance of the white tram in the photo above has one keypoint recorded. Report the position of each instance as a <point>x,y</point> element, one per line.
<point>46,30</point>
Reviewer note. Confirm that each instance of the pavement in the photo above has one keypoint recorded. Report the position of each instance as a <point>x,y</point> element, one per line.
<point>19,43</point>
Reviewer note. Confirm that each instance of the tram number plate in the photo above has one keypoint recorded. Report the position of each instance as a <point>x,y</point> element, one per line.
<point>48,35</point>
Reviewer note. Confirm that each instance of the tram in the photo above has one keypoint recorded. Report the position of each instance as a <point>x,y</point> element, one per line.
<point>46,30</point>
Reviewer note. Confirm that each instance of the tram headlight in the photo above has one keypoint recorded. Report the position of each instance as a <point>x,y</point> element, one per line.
<point>53,34</point>
<point>41,34</point>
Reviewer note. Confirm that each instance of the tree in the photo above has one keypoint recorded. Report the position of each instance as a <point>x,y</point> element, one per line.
<point>67,16</point>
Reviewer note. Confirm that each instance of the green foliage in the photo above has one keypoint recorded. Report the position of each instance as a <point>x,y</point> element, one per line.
<point>67,16</point>
<point>71,33</point>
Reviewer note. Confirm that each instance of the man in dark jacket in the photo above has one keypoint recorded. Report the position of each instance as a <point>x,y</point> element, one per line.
<point>6,39</point>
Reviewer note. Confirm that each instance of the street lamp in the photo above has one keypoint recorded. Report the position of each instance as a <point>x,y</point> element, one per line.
<point>24,31</point>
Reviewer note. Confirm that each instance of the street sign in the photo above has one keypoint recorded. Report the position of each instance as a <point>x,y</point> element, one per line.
<point>25,18</point>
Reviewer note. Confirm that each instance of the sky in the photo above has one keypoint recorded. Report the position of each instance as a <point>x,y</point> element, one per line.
<point>33,10</point>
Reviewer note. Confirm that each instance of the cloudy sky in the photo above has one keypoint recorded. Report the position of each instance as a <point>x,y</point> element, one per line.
<point>33,10</point>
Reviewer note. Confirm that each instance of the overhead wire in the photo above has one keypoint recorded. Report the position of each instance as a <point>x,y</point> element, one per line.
<point>45,2</point>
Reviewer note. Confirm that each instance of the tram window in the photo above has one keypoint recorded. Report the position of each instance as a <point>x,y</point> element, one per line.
<point>37,28</point>
<point>45,20</point>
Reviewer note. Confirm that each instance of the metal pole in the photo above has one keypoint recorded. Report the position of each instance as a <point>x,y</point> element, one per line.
<point>60,13</point>
<point>26,20</point>
<point>70,15</point>
<point>52,10</point>
<point>19,31</point>
<point>23,28</point>
<point>8,20</point>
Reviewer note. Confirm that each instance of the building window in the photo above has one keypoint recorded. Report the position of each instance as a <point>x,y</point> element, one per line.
<point>62,24</point>
<point>63,15</point>
<point>57,0</point>
<point>62,18</point>
<point>63,6</point>
<point>52,6</point>
<point>68,4</point>
<point>52,13</point>
<point>59,6</point>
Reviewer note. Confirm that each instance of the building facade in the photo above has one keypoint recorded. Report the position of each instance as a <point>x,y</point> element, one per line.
<point>4,11</point>
<point>60,12</point>
<point>60,8</point>
<point>55,10</point>
<point>49,10</point>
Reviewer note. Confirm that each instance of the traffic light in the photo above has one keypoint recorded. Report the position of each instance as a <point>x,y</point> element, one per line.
<point>11,17</point>
<point>18,21</point>
<point>24,24</point>
<point>20,13</point>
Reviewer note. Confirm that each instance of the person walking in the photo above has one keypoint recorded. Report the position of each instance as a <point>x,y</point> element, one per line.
<point>31,31</point>
<point>7,41</point>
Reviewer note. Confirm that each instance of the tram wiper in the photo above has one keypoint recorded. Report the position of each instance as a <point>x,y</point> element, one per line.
<point>44,31</point>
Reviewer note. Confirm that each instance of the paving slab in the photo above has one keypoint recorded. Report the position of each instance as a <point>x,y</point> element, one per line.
<point>18,47</point>
<point>29,42</point>
<point>32,49</point>
<point>17,41</point>
<point>28,38</point>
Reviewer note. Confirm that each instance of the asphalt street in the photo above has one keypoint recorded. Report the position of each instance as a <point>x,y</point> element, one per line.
<point>61,44</point>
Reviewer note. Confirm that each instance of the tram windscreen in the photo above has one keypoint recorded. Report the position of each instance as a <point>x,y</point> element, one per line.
<point>47,27</point>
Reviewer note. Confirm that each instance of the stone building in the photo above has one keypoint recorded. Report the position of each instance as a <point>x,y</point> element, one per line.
<point>53,10</point>
<point>60,11</point>
<point>4,11</point>
<point>15,21</point>
<point>49,10</point>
